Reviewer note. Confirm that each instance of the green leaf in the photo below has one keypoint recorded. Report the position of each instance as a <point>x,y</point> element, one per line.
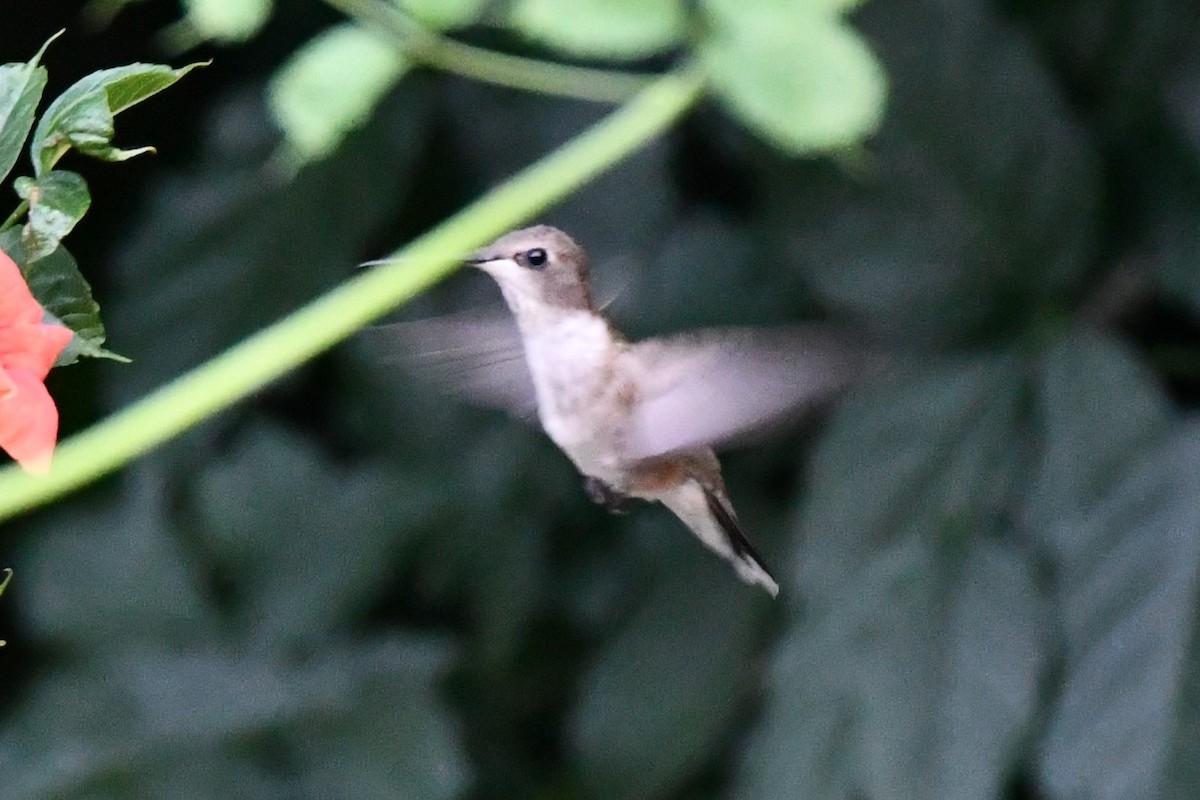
<point>330,86</point>
<point>957,230</point>
<point>226,21</point>
<point>65,295</point>
<point>915,671</point>
<point>919,679</point>
<point>1098,407</point>
<point>800,78</point>
<point>82,116</point>
<point>1114,498</point>
<point>8,573</point>
<point>664,690</point>
<point>617,29</point>
<point>390,736</point>
<point>921,452</point>
<point>21,87</point>
<point>307,553</point>
<point>103,576</point>
<point>1127,600</point>
<point>57,201</point>
<point>1182,770</point>
<point>362,722</point>
<point>444,14</point>
<point>109,726</point>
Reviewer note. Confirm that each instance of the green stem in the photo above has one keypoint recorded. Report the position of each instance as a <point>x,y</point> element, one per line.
<point>268,354</point>
<point>502,69</point>
<point>15,217</point>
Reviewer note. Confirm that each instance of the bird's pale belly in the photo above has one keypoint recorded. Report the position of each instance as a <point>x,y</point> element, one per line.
<point>594,449</point>
<point>582,404</point>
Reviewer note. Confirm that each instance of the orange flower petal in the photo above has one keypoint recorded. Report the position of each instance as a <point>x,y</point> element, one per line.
<point>32,348</point>
<point>25,342</point>
<point>28,418</point>
<point>16,302</point>
<point>28,422</point>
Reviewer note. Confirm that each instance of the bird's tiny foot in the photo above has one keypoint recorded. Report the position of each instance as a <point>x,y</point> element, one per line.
<point>601,494</point>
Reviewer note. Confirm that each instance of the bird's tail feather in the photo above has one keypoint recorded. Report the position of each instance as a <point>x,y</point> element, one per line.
<point>714,524</point>
<point>746,560</point>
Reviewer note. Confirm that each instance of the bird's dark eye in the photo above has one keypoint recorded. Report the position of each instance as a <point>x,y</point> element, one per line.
<point>536,258</point>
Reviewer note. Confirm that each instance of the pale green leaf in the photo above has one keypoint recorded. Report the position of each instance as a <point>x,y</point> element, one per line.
<point>82,116</point>
<point>958,229</point>
<point>227,21</point>
<point>21,87</point>
<point>803,80</point>
<point>618,29</point>
<point>57,201</point>
<point>330,86</point>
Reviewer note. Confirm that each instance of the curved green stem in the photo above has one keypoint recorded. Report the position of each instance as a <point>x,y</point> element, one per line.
<point>502,69</point>
<point>268,354</point>
<point>15,217</point>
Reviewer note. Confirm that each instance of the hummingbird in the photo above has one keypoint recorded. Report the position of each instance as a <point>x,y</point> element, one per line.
<point>637,419</point>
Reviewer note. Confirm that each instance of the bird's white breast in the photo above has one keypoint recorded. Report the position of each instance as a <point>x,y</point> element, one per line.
<point>574,362</point>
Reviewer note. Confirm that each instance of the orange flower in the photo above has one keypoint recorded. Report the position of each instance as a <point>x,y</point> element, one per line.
<point>28,347</point>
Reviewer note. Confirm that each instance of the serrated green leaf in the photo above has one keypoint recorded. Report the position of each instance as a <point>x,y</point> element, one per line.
<point>1127,595</point>
<point>664,688</point>
<point>917,680</point>
<point>922,452</point>
<point>1113,500</point>
<point>617,29</point>
<point>803,80</point>
<point>915,672</point>
<point>444,14</point>
<point>65,295</point>
<point>82,116</point>
<point>1098,406</point>
<point>21,87</point>
<point>57,201</point>
<point>330,86</point>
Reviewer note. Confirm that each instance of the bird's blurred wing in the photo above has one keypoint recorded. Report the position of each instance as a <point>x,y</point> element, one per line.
<point>476,356</point>
<point>713,387</point>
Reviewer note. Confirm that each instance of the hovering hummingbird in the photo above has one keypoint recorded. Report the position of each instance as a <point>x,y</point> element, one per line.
<point>639,420</point>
